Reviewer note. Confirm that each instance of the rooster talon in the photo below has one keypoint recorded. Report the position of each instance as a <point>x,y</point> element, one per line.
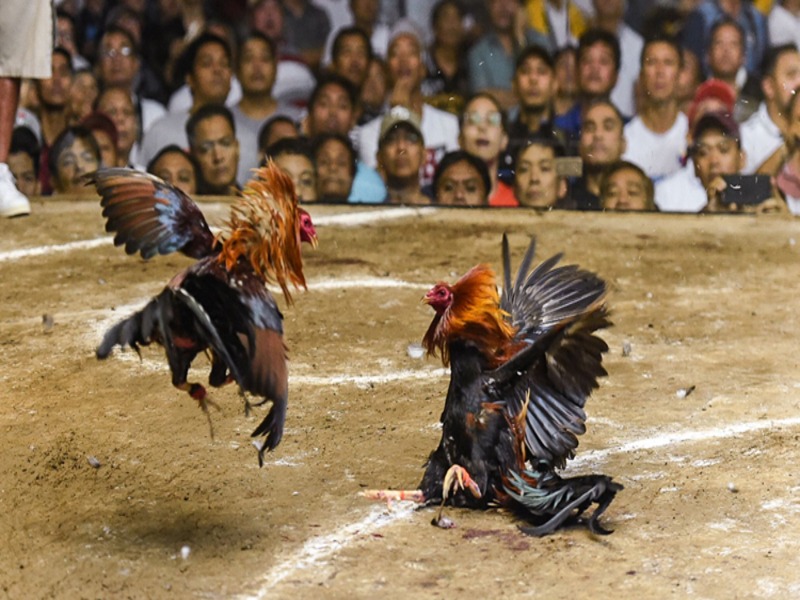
<point>457,478</point>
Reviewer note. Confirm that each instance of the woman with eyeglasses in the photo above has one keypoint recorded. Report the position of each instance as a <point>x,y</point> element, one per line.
<point>484,134</point>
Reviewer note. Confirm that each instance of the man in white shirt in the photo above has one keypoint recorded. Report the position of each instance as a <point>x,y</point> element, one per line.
<point>656,137</point>
<point>761,133</point>
<point>406,72</point>
<point>784,23</point>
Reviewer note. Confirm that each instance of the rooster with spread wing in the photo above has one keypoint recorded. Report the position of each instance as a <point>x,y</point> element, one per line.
<point>522,367</point>
<point>220,304</point>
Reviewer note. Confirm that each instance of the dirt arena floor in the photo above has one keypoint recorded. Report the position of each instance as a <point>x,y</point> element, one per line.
<point>711,506</point>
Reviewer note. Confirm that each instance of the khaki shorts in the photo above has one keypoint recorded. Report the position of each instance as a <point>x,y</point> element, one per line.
<point>27,32</point>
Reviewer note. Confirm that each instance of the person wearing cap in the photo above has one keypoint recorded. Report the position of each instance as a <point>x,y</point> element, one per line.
<point>681,191</point>
<point>401,153</point>
<point>762,133</point>
<point>656,137</point>
<point>406,70</point>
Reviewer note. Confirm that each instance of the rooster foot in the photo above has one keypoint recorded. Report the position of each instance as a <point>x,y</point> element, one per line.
<point>456,478</point>
<point>390,496</point>
<point>199,393</point>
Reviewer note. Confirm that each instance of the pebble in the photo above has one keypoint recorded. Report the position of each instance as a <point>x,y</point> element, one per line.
<point>185,552</point>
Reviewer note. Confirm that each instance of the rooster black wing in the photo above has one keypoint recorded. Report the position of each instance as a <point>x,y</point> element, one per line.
<point>557,311</point>
<point>150,216</point>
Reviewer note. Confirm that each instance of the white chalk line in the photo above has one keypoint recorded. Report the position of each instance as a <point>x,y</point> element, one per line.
<point>343,220</point>
<point>318,549</point>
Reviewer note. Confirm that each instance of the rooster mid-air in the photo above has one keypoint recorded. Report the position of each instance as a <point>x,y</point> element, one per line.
<point>522,367</point>
<point>220,304</point>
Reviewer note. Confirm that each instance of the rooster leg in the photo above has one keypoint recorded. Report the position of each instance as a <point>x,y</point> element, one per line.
<point>456,478</point>
<point>199,393</point>
<point>394,495</point>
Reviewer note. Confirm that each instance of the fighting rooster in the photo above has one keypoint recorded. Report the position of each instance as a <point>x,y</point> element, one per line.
<point>220,304</point>
<point>522,367</point>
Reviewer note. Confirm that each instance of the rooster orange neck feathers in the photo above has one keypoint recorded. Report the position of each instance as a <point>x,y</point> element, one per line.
<point>474,316</point>
<point>264,230</point>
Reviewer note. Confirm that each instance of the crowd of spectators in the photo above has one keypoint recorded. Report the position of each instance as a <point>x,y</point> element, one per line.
<point>574,104</point>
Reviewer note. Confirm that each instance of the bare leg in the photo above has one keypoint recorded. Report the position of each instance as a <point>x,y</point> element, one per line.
<point>9,99</point>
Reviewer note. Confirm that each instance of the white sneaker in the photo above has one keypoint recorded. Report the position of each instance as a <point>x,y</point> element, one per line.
<point>13,203</point>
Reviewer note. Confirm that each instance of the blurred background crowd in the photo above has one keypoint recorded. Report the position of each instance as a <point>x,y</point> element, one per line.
<point>672,106</point>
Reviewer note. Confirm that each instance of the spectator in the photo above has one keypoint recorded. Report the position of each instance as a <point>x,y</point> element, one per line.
<point>209,79</point>
<point>689,78</point>
<point>534,88</point>
<point>491,59</point>
<point>656,137</point>
<point>211,132</point>
<point>294,156</point>
<point>117,103</point>
<point>788,174</point>
<point>784,23</point>
<point>104,133</point>
<point>273,130</point>
<point>65,38</point>
<point>374,91</point>
<point>598,63</point>
<point>461,179</point>
<point>119,65</point>
<point>761,133</point>
<point>538,183</point>
<point>696,32</point>
<point>400,156</point>
<point>483,134</point>
<point>626,187</point>
<point>306,28</point>
<point>335,159</point>
<point>351,56</point>
<point>725,58</point>
<point>74,153</point>
<point>23,161</point>
<point>177,167</point>
<point>332,109</point>
<point>565,68</point>
<point>602,144</point>
<point>255,70</point>
<point>560,22</point>
<point>53,96</point>
<point>447,82</point>
<point>364,17</point>
<point>82,94</point>
<point>406,71</point>
<point>609,16</point>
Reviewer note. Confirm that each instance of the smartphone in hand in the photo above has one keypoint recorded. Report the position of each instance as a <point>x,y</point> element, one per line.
<point>746,189</point>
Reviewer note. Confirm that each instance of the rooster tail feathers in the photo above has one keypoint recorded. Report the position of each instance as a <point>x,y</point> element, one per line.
<point>271,428</point>
<point>137,330</point>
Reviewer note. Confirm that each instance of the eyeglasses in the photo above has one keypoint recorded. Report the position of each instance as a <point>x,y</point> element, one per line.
<point>125,51</point>
<point>493,118</point>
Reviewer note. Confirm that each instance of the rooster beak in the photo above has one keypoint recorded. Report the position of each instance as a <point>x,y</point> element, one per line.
<point>314,241</point>
<point>427,298</point>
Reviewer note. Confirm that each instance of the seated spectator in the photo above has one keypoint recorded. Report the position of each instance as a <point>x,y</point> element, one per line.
<point>491,59</point>
<point>335,159</point>
<point>538,183</point>
<point>446,85</point>
<point>656,137</point>
<point>602,144</point>
<point>364,16</point>
<point>374,91</point>
<point>273,130</point>
<point>306,27</point>
<point>787,173</point>
<point>255,70</point>
<point>598,64</point>
<point>609,16</point>
<point>461,179</point>
<point>483,134</point>
<point>212,141</point>
<point>626,187</point>
<point>696,32</point>
<point>82,94</point>
<point>783,23</point>
<point>406,72</point>
<point>294,156</point>
<point>689,77</point>
<point>53,112</point>
<point>105,134</point>
<point>208,60</point>
<point>400,156</point>
<point>761,133</point>
<point>74,153</point>
<point>177,167</point>
<point>117,103</point>
<point>725,58</point>
<point>565,69</point>
<point>23,161</point>
<point>351,57</point>
<point>332,108</point>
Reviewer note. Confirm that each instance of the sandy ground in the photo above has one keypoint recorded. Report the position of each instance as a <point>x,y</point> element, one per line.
<point>711,506</point>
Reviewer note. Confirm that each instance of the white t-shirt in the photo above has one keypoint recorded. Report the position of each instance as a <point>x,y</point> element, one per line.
<point>631,45</point>
<point>658,154</point>
<point>784,27</point>
<point>681,192</point>
<point>760,138</point>
<point>439,130</point>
